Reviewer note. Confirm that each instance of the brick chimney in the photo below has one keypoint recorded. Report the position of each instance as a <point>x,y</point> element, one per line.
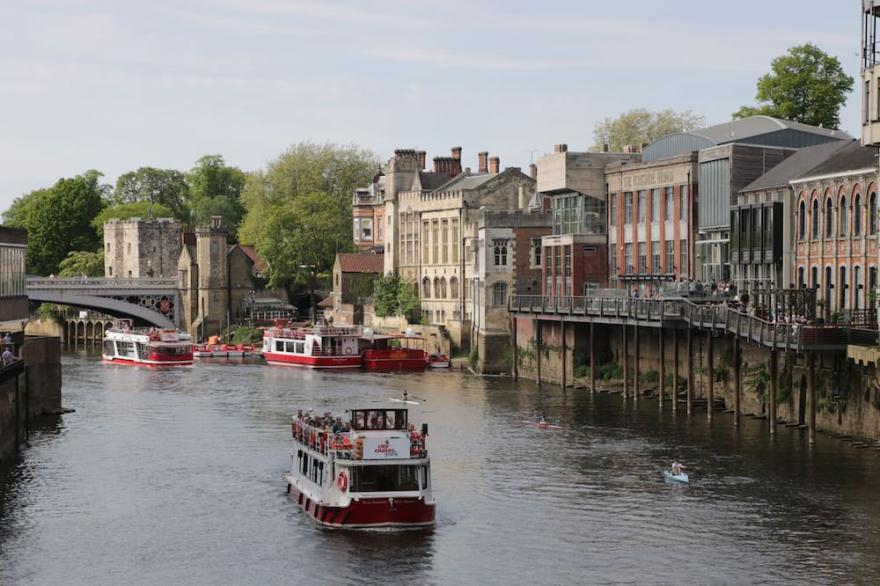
<point>494,165</point>
<point>456,153</point>
<point>484,162</point>
<point>455,162</point>
<point>438,165</point>
<point>533,171</point>
<point>421,156</point>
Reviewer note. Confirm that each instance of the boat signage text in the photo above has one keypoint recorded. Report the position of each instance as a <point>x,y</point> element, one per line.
<point>386,448</point>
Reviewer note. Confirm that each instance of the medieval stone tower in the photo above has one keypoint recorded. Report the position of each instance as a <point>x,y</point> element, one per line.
<point>400,175</point>
<point>211,257</point>
<point>141,248</point>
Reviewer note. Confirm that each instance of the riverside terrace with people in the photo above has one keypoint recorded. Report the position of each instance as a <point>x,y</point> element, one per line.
<point>551,334</point>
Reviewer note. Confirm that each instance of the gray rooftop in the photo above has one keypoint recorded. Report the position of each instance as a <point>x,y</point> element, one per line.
<point>799,164</point>
<point>853,157</point>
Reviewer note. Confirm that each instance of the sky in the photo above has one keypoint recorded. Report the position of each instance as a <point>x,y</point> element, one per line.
<point>117,85</point>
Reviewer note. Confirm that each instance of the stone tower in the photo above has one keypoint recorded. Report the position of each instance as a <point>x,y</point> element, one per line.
<point>213,277</point>
<point>400,176</point>
<point>141,248</point>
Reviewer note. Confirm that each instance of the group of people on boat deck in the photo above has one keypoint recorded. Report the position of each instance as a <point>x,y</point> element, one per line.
<point>325,423</point>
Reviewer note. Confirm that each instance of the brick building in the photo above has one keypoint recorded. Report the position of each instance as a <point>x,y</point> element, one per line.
<point>14,307</point>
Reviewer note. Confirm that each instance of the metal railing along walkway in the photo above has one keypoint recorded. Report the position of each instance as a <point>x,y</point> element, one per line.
<point>711,317</point>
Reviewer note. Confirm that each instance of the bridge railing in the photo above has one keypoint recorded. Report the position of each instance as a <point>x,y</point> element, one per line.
<point>95,283</point>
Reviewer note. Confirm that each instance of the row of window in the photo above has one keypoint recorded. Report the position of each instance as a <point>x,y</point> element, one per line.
<point>363,229</point>
<point>841,285</point>
<point>439,289</point>
<point>843,217</point>
<point>440,242</point>
<point>642,250</point>
<point>660,198</point>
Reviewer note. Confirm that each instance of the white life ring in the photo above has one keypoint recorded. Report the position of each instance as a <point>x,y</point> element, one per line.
<point>348,350</point>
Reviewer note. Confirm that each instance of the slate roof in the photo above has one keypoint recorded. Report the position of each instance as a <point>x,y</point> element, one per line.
<point>745,128</point>
<point>361,262</point>
<point>431,181</point>
<point>799,164</point>
<point>258,261</point>
<point>853,157</point>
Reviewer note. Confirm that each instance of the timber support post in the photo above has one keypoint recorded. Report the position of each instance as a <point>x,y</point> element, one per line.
<point>710,399</point>
<point>513,366</point>
<point>538,349</point>
<point>564,352</point>
<point>690,373</point>
<point>636,363</point>
<point>774,380</point>
<point>737,380</point>
<point>674,395</point>
<point>592,357</point>
<point>811,396</point>
<point>662,369</point>
<point>625,362</point>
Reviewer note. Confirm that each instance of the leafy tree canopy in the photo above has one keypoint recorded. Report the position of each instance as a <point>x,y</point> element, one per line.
<point>58,220</point>
<point>215,190</point>
<point>805,85</point>
<point>125,211</point>
<point>640,126</point>
<point>167,187</point>
<point>82,263</point>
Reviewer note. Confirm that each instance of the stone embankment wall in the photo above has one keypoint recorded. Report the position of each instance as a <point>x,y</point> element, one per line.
<point>847,394</point>
<point>42,357</point>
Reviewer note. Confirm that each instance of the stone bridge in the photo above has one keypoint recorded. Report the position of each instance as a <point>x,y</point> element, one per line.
<point>151,301</point>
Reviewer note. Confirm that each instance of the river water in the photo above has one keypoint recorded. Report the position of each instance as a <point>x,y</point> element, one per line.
<point>175,477</point>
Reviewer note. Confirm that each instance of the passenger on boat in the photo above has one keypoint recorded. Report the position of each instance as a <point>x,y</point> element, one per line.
<point>676,468</point>
<point>541,420</point>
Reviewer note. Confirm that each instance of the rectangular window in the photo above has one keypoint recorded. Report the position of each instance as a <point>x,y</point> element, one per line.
<point>455,243</point>
<point>642,204</point>
<point>628,259</point>
<point>445,245</point>
<point>683,203</point>
<point>683,264</point>
<point>500,252</point>
<point>670,204</point>
<point>655,257</point>
<point>435,241</point>
<point>366,229</point>
<point>612,211</point>
<point>536,253</point>
<point>866,103</point>
<point>655,206</point>
<point>425,241</point>
<point>628,207</point>
<point>643,258</point>
<point>669,261</point>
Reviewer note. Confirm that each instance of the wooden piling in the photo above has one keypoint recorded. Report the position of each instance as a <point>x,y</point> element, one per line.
<point>674,395</point>
<point>538,348</point>
<point>774,378</point>
<point>737,381</point>
<point>564,352</point>
<point>690,373</point>
<point>592,358</point>
<point>636,363</point>
<point>662,369</point>
<point>513,366</point>
<point>811,395</point>
<point>710,358</point>
<point>625,362</point>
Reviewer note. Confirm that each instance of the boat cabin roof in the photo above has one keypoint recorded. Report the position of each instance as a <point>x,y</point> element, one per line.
<point>378,419</point>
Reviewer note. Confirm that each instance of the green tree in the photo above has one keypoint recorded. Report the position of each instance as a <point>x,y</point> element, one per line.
<point>215,190</point>
<point>300,241</point>
<point>58,220</point>
<point>125,211</point>
<point>167,187</point>
<point>805,85</point>
<point>82,262</point>
<point>299,210</point>
<point>640,126</point>
<point>386,290</point>
<point>408,304</point>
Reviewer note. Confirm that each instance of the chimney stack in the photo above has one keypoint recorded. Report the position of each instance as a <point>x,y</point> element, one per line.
<point>494,165</point>
<point>533,171</point>
<point>421,155</point>
<point>456,153</point>
<point>484,162</point>
<point>523,202</point>
<point>437,165</point>
<point>560,148</point>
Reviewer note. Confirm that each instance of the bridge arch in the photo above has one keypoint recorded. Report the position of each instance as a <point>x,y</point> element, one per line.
<point>106,305</point>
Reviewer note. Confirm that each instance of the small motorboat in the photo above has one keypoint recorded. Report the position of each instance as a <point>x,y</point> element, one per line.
<point>438,360</point>
<point>681,477</point>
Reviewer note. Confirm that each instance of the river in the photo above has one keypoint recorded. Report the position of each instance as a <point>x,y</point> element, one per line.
<point>175,477</point>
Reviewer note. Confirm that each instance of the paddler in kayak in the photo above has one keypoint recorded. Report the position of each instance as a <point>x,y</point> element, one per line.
<point>676,467</point>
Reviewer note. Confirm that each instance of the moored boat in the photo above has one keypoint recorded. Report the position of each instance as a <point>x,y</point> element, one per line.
<point>372,471</point>
<point>438,360</point>
<point>224,350</point>
<point>147,346</point>
<point>313,346</point>
<point>392,353</point>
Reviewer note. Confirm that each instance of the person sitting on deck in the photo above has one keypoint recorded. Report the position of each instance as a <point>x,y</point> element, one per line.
<point>676,468</point>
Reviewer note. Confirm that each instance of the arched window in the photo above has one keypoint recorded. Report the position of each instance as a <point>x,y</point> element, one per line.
<point>802,221</point>
<point>426,288</point>
<point>437,288</point>
<point>829,218</point>
<point>499,294</point>
<point>815,218</point>
<point>872,213</point>
<point>841,230</point>
<point>453,288</point>
<point>857,215</point>
<point>841,287</point>
<point>441,294</point>
<point>814,277</point>
<point>801,277</point>
<point>857,287</point>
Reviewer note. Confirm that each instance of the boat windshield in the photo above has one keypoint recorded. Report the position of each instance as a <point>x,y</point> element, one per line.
<point>391,478</point>
<point>370,419</point>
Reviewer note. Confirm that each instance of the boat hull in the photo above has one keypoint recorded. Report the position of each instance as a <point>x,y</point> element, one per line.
<point>394,360</point>
<point>680,478</point>
<point>367,513</point>
<point>148,362</point>
<point>282,359</point>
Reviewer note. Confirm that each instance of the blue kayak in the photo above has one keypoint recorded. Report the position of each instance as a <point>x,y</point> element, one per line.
<point>683,477</point>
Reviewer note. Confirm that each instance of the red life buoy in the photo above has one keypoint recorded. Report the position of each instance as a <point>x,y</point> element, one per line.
<point>342,481</point>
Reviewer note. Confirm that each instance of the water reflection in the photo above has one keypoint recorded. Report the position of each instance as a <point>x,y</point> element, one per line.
<point>174,476</point>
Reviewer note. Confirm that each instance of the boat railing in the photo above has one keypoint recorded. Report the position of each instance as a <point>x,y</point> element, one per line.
<point>300,333</point>
<point>346,445</point>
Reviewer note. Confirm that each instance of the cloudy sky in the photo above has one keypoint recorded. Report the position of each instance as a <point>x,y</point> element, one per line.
<point>115,85</point>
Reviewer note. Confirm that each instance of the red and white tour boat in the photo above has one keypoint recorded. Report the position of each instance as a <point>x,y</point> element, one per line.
<point>369,472</point>
<point>438,360</point>
<point>392,353</point>
<point>314,346</point>
<point>148,346</point>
